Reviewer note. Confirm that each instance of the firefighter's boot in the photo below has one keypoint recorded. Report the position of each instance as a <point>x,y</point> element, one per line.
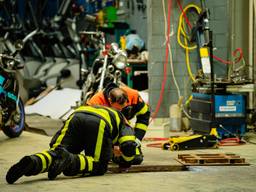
<point>61,160</point>
<point>23,167</point>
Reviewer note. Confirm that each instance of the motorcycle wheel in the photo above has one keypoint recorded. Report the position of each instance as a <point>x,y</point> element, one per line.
<point>17,124</point>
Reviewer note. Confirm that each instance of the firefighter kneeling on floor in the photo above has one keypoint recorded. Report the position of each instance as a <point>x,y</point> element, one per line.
<point>130,103</point>
<point>93,130</point>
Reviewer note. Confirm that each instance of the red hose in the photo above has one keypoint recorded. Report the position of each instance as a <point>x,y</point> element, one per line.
<point>235,53</point>
<point>184,14</point>
<point>155,139</point>
<point>156,145</point>
<point>231,142</point>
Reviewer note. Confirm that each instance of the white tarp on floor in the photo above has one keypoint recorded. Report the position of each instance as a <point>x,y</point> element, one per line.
<point>56,103</point>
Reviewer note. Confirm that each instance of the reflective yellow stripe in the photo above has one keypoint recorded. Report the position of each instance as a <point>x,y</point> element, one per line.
<point>82,162</point>
<point>99,140</point>
<point>127,158</point>
<point>143,110</point>
<point>117,124</point>
<point>90,163</point>
<point>101,112</point>
<point>116,116</point>
<point>115,140</point>
<point>141,126</point>
<point>62,134</point>
<point>81,108</point>
<point>126,138</point>
<point>48,156</point>
<point>137,151</point>
<point>43,161</point>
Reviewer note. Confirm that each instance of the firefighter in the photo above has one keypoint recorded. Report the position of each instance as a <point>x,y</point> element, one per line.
<point>129,102</point>
<point>93,130</point>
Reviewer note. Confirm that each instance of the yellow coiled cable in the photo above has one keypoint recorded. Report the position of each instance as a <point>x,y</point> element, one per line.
<point>182,32</point>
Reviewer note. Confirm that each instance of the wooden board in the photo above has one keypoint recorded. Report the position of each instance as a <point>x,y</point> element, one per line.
<point>147,168</point>
<point>211,159</point>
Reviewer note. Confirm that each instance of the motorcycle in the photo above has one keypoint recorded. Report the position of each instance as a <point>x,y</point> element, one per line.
<point>12,113</point>
<point>106,68</point>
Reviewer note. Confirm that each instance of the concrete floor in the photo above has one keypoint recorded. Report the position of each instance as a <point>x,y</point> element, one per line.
<point>198,178</point>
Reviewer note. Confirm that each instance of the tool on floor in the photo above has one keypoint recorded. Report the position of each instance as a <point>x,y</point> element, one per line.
<point>196,141</point>
<point>191,142</point>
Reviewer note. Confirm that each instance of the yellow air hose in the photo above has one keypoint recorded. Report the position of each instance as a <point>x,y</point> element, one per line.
<point>182,32</point>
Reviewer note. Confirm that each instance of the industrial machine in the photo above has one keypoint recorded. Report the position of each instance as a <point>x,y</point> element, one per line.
<point>219,103</point>
<point>227,113</point>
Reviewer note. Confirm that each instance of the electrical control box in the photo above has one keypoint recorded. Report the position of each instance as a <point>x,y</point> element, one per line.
<point>227,114</point>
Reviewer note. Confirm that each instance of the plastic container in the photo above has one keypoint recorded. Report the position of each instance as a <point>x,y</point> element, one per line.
<point>111,15</point>
<point>175,118</point>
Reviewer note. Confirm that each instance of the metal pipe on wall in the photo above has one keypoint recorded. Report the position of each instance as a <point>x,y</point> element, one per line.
<point>254,49</point>
<point>231,18</point>
<point>251,31</point>
<point>252,102</point>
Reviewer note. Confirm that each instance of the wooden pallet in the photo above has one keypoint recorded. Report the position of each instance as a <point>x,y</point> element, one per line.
<point>211,159</point>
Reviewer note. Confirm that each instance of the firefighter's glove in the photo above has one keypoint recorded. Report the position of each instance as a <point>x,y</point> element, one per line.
<point>121,162</point>
<point>116,151</point>
<point>128,148</point>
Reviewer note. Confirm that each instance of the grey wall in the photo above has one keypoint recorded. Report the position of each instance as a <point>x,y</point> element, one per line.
<point>218,24</point>
<point>135,17</point>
